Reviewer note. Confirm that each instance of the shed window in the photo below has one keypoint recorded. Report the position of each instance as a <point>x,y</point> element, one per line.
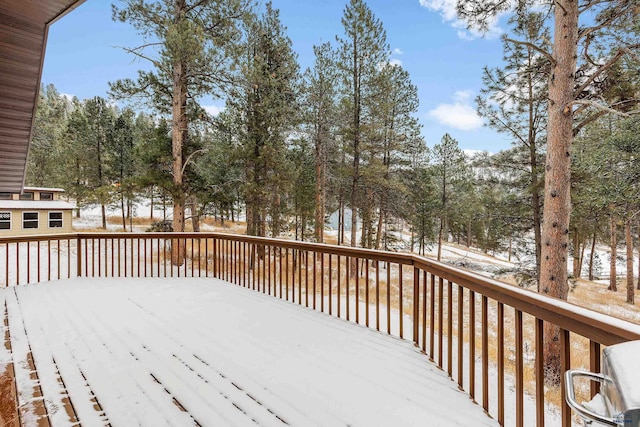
<point>5,220</point>
<point>26,195</point>
<point>46,196</point>
<point>30,220</point>
<point>6,196</point>
<point>55,219</point>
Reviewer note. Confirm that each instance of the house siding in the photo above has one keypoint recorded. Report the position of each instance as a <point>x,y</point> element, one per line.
<point>43,222</point>
<point>40,207</point>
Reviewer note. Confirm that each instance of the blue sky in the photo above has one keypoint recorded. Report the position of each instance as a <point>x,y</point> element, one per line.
<point>444,60</point>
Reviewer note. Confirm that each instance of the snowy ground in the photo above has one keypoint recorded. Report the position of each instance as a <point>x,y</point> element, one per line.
<point>490,264</point>
<point>180,351</point>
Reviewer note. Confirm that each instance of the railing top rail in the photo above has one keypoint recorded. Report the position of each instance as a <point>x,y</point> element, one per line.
<point>38,237</point>
<point>598,327</point>
<point>394,257</point>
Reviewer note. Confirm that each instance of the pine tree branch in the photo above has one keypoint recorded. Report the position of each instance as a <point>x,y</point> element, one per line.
<point>195,5</point>
<point>587,31</point>
<point>558,4</point>
<point>186,162</point>
<point>534,47</point>
<point>586,6</point>
<point>137,52</point>
<point>603,110</point>
<point>597,105</point>
<point>588,120</point>
<point>599,71</point>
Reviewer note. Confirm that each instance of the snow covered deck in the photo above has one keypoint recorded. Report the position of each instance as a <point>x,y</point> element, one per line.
<point>203,352</point>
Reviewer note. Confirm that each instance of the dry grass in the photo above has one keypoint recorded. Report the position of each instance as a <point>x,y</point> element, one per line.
<point>595,296</point>
<point>139,221</point>
<point>98,230</point>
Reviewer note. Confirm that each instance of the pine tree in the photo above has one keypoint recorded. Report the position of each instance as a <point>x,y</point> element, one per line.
<point>450,172</point>
<point>97,136</point>
<point>218,171</point>
<point>514,100</point>
<point>362,50</point>
<point>45,157</point>
<point>398,134</point>
<point>121,164</point>
<point>321,108</point>
<point>266,110</point>
<point>191,45</point>
<point>303,194</point>
<point>154,158</point>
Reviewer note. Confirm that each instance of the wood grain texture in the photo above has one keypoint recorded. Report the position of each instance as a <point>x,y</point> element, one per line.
<point>23,37</point>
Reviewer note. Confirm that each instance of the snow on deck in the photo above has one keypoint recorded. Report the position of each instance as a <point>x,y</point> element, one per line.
<point>203,352</point>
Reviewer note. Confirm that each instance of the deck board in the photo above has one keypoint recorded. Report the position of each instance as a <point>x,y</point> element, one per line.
<point>179,351</point>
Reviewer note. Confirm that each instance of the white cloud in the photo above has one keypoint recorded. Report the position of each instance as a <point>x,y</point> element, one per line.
<point>447,10</point>
<point>213,110</point>
<point>395,62</point>
<point>460,114</point>
<point>68,96</point>
<point>398,51</point>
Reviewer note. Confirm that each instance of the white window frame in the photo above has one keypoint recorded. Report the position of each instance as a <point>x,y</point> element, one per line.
<point>61,218</point>
<point>31,220</point>
<point>4,220</point>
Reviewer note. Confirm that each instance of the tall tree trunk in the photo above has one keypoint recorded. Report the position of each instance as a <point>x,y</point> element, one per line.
<point>164,204</point>
<point>103,211</point>
<point>178,133</point>
<point>591,255</point>
<point>122,209</point>
<point>613,286</point>
<point>576,253</point>
<point>557,205</point>
<point>356,141</point>
<point>381,219</point>
<point>354,210</point>
<point>629,242</point>
<point>583,246</point>
<point>444,211</point>
<point>250,220</point>
<point>130,210</point>
<point>638,286</point>
<point>440,232</point>
<point>320,199</point>
<point>102,207</point>
<point>535,182</point>
<point>151,202</point>
<point>413,237</point>
<point>195,216</point>
<point>341,219</point>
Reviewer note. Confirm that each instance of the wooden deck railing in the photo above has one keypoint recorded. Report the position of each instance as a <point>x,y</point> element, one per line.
<point>487,335</point>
